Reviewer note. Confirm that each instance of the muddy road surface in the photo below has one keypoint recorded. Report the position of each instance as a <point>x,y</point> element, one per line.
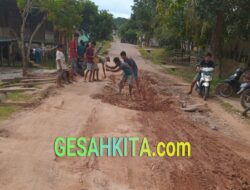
<point>220,142</point>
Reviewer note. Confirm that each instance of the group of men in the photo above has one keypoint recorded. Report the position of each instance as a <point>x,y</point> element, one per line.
<point>130,72</point>
<point>84,61</point>
<point>81,58</point>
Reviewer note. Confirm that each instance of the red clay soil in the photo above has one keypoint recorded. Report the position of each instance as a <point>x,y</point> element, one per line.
<point>213,165</point>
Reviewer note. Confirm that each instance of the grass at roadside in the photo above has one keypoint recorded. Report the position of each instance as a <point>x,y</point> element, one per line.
<point>187,73</point>
<point>18,96</point>
<point>105,46</point>
<point>6,111</point>
<point>230,108</point>
<point>156,55</point>
<point>50,64</point>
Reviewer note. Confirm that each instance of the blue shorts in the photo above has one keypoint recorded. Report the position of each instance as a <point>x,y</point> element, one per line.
<point>136,75</point>
<point>128,78</point>
<point>95,66</point>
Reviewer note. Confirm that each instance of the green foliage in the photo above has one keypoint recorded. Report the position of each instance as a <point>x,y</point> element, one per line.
<point>200,23</point>
<point>97,24</point>
<point>105,46</point>
<point>18,96</point>
<point>64,14</point>
<point>105,26</point>
<point>119,22</point>
<point>6,111</point>
<point>129,31</point>
<point>156,55</point>
<point>21,4</point>
<point>144,12</point>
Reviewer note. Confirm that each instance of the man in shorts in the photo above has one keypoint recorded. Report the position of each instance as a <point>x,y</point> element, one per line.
<point>90,55</point>
<point>128,75</point>
<point>134,67</point>
<point>62,68</point>
<point>95,65</point>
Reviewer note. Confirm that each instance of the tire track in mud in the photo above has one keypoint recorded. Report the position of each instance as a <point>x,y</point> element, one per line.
<point>213,165</point>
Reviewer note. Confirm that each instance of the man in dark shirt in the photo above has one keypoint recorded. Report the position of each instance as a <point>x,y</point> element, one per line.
<point>134,67</point>
<point>128,75</point>
<point>207,62</point>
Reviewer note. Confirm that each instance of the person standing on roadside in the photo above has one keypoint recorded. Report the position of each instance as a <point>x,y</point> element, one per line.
<point>95,65</point>
<point>90,55</point>
<point>62,68</point>
<point>81,63</point>
<point>73,53</point>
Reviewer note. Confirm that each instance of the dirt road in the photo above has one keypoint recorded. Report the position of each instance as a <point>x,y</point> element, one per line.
<point>220,152</point>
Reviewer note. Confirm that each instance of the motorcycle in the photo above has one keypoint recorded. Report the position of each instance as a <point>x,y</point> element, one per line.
<point>231,85</point>
<point>245,95</point>
<point>203,85</point>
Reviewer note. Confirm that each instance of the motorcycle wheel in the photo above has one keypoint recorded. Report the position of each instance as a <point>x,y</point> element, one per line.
<point>225,90</point>
<point>245,99</point>
<point>206,93</point>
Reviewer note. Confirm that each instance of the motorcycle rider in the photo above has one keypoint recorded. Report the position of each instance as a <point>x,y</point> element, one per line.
<point>206,62</point>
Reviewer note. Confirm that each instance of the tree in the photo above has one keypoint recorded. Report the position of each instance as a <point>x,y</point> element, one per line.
<point>26,6</point>
<point>105,26</point>
<point>63,13</point>
<point>144,12</point>
<point>97,24</point>
<point>90,17</point>
<point>129,31</point>
<point>119,22</point>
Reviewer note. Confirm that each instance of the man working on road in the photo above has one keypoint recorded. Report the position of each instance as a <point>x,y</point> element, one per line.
<point>128,75</point>
<point>134,67</point>
<point>207,62</point>
<point>62,68</point>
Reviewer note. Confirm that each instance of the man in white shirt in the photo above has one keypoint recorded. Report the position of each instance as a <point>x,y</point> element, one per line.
<point>62,68</point>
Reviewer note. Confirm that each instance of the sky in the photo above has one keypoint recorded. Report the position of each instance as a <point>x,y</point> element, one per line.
<point>119,8</point>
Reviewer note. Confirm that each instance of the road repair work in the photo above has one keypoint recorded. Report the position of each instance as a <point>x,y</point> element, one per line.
<point>219,142</point>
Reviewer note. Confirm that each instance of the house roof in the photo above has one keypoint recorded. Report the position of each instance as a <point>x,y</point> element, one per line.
<point>6,39</point>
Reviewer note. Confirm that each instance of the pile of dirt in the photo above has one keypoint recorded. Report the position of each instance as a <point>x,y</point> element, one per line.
<point>150,99</point>
<point>4,133</point>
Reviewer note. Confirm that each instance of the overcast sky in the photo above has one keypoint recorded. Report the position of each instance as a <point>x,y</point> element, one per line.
<point>119,8</point>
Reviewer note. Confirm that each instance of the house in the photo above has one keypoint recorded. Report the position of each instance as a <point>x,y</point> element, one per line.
<point>10,24</point>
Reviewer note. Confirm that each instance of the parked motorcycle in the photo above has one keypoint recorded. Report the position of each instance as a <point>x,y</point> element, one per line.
<point>203,85</point>
<point>231,85</point>
<point>245,95</point>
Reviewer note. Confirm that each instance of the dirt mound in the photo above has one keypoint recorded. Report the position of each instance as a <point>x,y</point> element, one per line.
<point>151,98</point>
<point>4,133</point>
